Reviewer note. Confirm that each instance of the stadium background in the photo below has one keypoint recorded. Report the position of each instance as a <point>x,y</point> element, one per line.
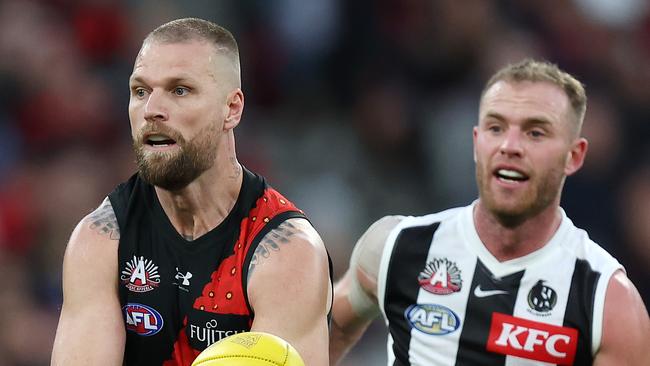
<point>354,109</point>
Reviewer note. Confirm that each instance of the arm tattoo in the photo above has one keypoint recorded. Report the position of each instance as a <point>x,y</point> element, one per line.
<point>271,243</point>
<point>103,221</point>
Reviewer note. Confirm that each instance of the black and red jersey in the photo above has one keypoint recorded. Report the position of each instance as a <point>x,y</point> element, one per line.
<point>180,296</point>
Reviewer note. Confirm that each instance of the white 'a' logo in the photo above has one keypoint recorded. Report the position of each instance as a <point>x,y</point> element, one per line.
<point>440,276</point>
<point>138,273</point>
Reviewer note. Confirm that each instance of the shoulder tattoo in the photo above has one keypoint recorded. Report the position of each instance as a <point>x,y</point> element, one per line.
<point>271,242</point>
<point>103,220</point>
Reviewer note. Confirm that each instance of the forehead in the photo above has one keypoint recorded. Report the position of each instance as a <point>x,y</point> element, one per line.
<point>162,60</point>
<point>523,99</point>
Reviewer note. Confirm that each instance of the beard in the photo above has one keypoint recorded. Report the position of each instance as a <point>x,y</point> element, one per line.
<point>513,208</point>
<point>174,170</point>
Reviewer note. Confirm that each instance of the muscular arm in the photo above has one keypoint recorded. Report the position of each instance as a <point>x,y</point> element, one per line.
<point>289,289</point>
<point>626,326</point>
<point>91,329</point>
<point>355,295</point>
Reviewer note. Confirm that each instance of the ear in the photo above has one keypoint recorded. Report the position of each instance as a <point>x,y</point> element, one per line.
<point>576,156</point>
<point>235,108</point>
<point>474,138</point>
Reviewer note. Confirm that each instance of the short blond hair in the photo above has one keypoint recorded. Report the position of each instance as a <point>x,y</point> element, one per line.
<point>190,29</point>
<point>543,71</point>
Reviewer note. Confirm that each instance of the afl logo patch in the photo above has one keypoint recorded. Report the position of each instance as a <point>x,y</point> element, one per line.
<point>140,275</point>
<point>542,298</point>
<point>440,276</point>
<point>142,319</point>
<point>432,319</point>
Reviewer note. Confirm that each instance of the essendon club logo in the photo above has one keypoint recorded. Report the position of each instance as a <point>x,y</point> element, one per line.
<point>140,275</point>
<point>533,340</point>
<point>440,276</point>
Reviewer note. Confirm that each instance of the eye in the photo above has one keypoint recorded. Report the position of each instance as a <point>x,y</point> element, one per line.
<point>536,133</point>
<point>181,91</point>
<point>139,92</point>
<point>494,128</point>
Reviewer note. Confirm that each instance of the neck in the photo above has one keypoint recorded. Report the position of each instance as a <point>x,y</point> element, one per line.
<point>506,241</point>
<point>207,201</point>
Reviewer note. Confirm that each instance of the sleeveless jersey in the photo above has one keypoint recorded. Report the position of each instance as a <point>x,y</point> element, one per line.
<point>178,297</point>
<point>448,301</point>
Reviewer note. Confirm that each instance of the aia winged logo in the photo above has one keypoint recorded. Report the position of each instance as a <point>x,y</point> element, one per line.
<point>140,275</point>
<point>440,276</point>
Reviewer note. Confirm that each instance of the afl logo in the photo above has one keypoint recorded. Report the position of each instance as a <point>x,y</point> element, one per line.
<point>440,277</point>
<point>432,319</point>
<point>140,275</point>
<point>542,298</point>
<point>142,319</point>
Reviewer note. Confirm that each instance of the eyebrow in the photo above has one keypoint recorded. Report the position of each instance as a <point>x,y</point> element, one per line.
<point>535,120</point>
<point>171,80</point>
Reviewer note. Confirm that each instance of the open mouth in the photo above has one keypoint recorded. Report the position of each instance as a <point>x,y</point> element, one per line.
<point>158,140</point>
<point>510,175</point>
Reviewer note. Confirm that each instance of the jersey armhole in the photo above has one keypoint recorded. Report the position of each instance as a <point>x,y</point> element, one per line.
<point>599,308</point>
<point>272,224</point>
<point>384,263</point>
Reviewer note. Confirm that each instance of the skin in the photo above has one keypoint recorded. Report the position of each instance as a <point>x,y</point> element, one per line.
<point>190,90</point>
<point>527,127</point>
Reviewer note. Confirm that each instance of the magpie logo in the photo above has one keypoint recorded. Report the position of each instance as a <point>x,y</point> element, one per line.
<point>542,298</point>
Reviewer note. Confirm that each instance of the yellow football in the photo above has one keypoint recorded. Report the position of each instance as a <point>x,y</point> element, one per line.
<point>250,349</point>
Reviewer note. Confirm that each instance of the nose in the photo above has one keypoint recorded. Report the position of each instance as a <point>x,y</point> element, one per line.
<point>154,108</point>
<point>511,144</point>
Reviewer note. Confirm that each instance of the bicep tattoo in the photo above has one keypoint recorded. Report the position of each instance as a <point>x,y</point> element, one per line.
<point>271,243</point>
<point>103,220</point>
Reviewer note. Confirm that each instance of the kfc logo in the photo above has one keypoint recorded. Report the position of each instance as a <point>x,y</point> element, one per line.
<point>533,340</point>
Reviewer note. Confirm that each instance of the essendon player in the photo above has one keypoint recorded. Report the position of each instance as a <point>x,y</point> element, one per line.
<point>507,280</point>
<point>194,247</point>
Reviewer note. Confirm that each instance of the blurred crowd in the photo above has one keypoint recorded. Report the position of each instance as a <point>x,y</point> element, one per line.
<point>354,110</point>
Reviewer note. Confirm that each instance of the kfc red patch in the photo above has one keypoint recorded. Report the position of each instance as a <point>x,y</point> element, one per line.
<point>533,340</point>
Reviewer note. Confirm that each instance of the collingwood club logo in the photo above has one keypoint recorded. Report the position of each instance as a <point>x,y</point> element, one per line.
<point>541,298</point>
<point>440,276</point>
<point>140,275</point>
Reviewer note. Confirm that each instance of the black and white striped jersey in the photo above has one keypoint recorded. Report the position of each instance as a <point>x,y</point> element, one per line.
<point>448,301</point>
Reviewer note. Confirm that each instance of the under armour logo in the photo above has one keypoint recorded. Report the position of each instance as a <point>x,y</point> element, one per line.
<point>185,277</point>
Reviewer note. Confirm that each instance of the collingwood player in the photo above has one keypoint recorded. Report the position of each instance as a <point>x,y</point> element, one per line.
<point>507,280</point>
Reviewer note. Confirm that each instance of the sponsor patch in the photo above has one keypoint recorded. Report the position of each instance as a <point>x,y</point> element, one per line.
<point>440,276</point>
<point>142,319</point>
<point>204,328</point>
<point>140,275</point>
<point>432,319</point>
<point>533,340</point>
<point>541,299</point>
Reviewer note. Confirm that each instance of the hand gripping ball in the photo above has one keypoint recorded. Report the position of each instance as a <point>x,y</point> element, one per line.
<point>250,349</point>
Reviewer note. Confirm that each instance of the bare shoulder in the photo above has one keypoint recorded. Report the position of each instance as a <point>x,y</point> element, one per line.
<point>293,242</point>
<point>90,294</point>
<point>289,262</point>
<point>366,256</point>
<point>626,325</point>
<point>93,244</point>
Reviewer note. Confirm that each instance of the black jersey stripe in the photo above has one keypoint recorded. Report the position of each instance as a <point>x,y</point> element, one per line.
<point>580,308</point>
<point>471,345</point>
<point>407,260</point>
